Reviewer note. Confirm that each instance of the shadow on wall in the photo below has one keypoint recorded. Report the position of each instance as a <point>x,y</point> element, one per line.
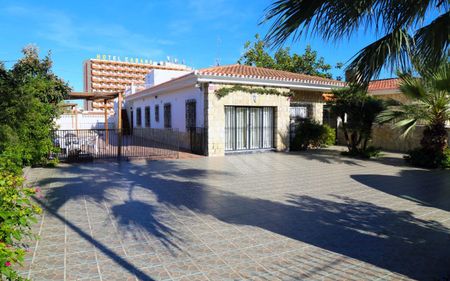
<point>284,137</point>
<point>387,238</point>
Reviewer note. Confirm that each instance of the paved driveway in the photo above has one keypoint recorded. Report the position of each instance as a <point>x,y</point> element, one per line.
<point>271,216</point>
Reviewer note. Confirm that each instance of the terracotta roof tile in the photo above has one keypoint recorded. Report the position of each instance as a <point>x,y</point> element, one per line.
<point>384,84</point>
<point>246,71</point>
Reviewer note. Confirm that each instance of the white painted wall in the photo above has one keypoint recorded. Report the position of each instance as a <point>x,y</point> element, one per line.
<point>178,101</point>
<point>80,121</point>
<point>158,76</point>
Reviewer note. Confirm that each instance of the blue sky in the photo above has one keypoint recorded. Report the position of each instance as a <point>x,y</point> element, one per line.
<point>197,31</point>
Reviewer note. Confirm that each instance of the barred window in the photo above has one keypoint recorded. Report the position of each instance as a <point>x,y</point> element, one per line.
<point>138,117</point>
<point>157,113</point>
<point>147,116</point>
<point>191,120</point>
<point>300,111</point>
<point>167,115</point>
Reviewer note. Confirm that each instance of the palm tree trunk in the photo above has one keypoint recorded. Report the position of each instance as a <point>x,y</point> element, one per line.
<point>435,138</point>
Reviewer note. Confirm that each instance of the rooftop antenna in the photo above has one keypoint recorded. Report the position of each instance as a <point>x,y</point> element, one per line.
<point>219,42</point>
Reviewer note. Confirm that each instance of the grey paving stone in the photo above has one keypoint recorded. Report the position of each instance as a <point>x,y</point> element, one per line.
<point>269,216</point>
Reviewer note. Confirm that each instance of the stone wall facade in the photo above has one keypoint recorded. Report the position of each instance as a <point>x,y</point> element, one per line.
<point>314,99</point>
<point>394,96</point>
<point>389,138</point>
<point>215,115</point>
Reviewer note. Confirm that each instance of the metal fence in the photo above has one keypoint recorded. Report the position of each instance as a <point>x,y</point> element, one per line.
<point>89,144</point>
<point>197,140</point>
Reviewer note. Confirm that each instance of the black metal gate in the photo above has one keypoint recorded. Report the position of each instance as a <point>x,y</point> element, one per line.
<point>197,140</point>
<point>81,145</point>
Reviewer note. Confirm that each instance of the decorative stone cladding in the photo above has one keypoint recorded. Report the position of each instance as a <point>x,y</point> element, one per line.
<point>389,138</point>
<point>216,116</point>
<point>395,96</point>
<point>316,101</point>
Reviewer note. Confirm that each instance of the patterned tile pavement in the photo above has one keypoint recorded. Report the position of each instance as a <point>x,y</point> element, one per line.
<point>270,216</point>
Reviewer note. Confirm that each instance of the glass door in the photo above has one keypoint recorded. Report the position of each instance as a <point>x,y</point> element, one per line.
<point>241,128</point>
<point>267,127</point>
<point>230,128</point>
<point>255,131</point>
<point>249,128</point>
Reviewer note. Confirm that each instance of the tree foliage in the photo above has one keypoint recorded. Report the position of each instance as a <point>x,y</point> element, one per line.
<point>29,97</point>
<point>358,112</point>
<point>404,35</point>
<point>257,54</point>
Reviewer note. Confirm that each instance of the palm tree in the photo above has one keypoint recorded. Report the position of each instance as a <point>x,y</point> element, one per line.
<point>404,38</point>
<point>430,105</point>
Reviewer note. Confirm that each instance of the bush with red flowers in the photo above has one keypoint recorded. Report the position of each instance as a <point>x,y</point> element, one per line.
<point>17,214</point>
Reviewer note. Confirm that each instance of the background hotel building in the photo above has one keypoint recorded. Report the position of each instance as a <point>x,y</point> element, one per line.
<point>103,76</point>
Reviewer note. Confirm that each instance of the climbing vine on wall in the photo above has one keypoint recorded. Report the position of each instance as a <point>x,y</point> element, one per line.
<point>222,92</point>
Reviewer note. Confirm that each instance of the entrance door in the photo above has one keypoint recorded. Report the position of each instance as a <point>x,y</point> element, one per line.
<point>248,128</point>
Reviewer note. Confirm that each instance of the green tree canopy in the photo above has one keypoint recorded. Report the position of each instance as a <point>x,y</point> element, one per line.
<point>257,54</point>
<point>29,97</point>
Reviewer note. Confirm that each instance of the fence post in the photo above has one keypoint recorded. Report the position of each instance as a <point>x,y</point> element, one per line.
<point>178,134</point>
<point>119,125</point>
<point>119,143</point>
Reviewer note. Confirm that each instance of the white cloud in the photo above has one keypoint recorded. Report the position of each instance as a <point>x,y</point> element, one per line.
<point>70,33</point>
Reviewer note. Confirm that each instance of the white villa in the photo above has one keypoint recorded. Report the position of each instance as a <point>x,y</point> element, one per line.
<point>241,107</point>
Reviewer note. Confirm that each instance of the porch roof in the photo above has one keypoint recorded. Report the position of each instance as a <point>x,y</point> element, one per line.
<point>93,96</point>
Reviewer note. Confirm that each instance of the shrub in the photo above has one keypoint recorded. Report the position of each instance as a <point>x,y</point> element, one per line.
<point>329,136</point>
<point>310,134</point>
<point>445,162</point>
<point>428,158</point>
<point>369,152</point>
<point>17,214</point>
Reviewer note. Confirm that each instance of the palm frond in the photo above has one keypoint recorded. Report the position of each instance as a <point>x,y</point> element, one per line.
<point>405,116</point>
<point>406,126</point>
<point>440,79</point>
<point>393,49</point>
<point>432,42</point>
<point>412,87</point>
<point>340,18</point>
<point>391,114</point>
<point>290,18</point>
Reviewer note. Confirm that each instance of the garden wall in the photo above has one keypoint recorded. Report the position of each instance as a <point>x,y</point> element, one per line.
<point>389,139</point>
<point>83,121</point>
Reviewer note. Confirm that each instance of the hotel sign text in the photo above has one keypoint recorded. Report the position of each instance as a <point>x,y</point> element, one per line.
<point>125,59</point>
